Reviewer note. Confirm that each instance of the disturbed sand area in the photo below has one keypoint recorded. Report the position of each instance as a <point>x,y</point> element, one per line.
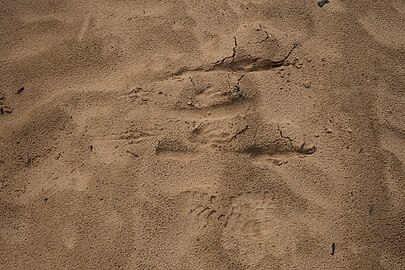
<point>232,134</point>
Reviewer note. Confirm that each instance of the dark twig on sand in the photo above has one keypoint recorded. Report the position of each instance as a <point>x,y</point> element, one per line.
<point>321,3</point>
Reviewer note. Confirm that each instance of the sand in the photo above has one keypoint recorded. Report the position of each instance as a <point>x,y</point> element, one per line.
<point>226,134</point>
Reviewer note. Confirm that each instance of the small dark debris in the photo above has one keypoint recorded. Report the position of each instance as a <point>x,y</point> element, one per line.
<point>133,154</point>
<point>310,151</point>
<point>91,148</point>
<point>371,209</point>
<point>19,91</point>
<point>333,249</point>
<point>5,110</point>
<point>46,199</point>
<point>306,151</point>
<point>135,90</point>
<point>321,3</point>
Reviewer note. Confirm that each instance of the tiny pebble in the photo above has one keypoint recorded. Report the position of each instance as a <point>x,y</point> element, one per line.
<point>328,130</point>
<point>307,84</point>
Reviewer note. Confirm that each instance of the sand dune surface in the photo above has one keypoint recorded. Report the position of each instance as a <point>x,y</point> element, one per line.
<point>226,134</point>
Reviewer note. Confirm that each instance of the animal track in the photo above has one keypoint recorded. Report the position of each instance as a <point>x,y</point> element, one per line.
<point>132,136</point>
<point>216,89</point>
<point>175,149</point>
<point>203,91</point>
<point>250,63</point>
<point>211,95</point>
<point>240,62</point>
<point>216,132</point>
<point>264,53</point>
<point>277,147</point>
<point>138,93</point>
<point>218,85</point>
<point>135,136</point>
<point>279,152</point>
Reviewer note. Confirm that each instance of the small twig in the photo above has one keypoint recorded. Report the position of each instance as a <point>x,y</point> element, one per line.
<point>132,154</point>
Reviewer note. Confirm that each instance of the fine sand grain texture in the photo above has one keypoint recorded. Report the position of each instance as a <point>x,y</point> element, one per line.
<point>202,134</point>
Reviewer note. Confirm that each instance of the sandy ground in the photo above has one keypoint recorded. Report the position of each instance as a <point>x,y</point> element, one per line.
<point>215,134</point>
